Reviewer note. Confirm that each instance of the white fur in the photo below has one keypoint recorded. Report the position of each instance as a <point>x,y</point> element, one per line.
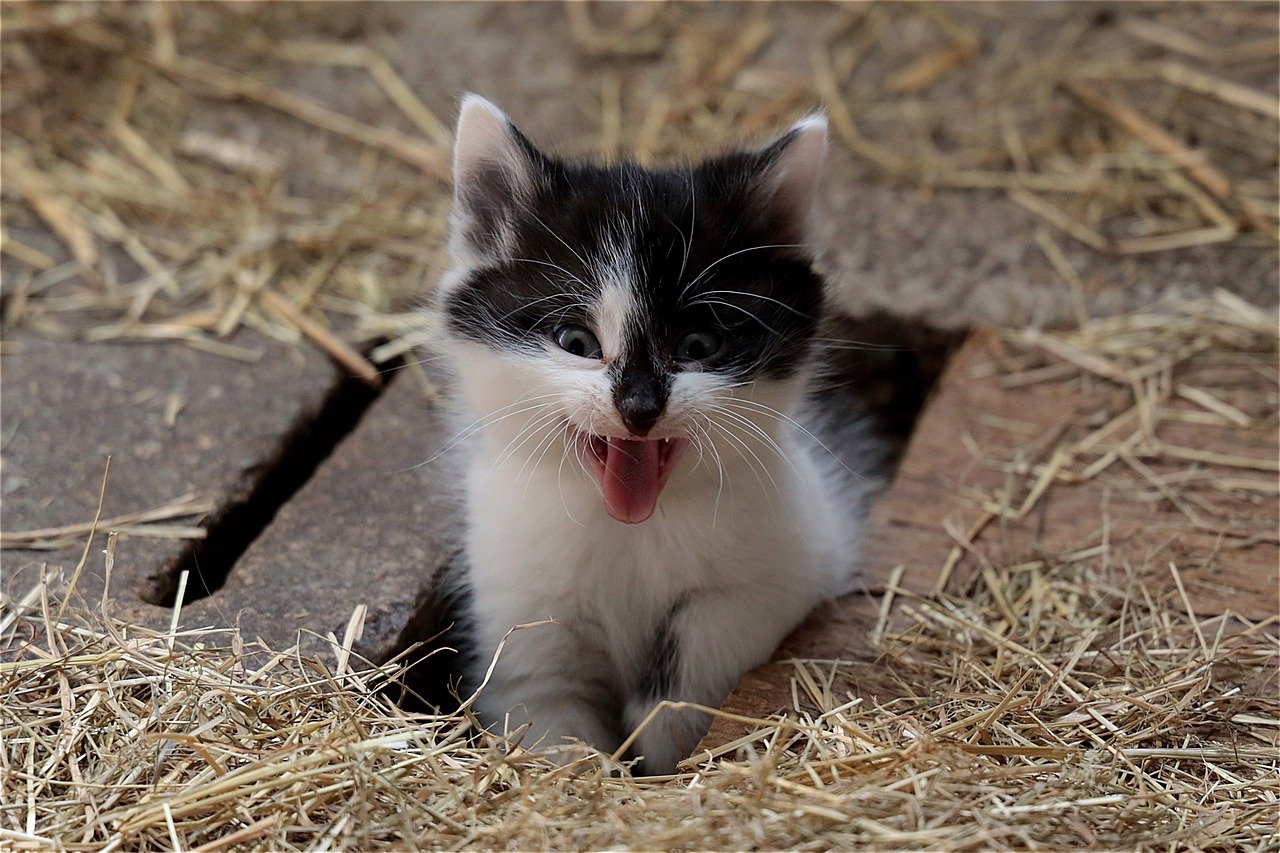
<point>752,544</point>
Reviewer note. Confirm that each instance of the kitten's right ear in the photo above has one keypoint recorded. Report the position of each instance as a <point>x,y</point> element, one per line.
<point>494,171</point>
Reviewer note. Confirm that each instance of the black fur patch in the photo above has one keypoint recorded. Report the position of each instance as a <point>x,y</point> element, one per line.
<point>442,624</point>
<point>657,678</point>
<point>710,250</point>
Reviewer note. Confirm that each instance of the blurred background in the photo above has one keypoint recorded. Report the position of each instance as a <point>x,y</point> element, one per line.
<point>165,164</point>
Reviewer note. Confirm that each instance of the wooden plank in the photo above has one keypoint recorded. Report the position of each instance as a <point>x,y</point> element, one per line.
<point>977,424</point>
<point>975,428</point>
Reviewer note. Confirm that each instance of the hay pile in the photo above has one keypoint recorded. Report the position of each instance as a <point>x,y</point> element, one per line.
<point>180,232</point>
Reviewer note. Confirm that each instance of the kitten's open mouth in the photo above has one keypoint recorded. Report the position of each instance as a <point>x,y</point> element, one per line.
<point>631,472</point>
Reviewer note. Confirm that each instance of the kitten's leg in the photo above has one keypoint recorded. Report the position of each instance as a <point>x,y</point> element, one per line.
<point>546,684</point>
<point>700,651</point>
<point>553,722</point>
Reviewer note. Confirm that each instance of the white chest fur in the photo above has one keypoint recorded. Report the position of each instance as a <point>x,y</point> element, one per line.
<point>707,587</point>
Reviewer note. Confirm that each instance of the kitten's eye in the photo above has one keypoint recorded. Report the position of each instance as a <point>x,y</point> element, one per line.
<point>699,346</point>
<point>576,340</point>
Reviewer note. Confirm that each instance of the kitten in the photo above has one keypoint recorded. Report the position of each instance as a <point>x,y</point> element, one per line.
<point>634,352</point>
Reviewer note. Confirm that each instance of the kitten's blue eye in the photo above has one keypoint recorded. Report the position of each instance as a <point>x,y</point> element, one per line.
<point>699,346</point>
<point>578,341</point>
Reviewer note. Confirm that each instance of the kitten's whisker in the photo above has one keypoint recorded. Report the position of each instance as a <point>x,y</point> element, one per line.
<point>496,415</point>
<point>392,368</point>
<point>551,433</point>
<point>549,441</point>
<point>711,265</point>
<point>575,448</point>
<point>591,429</point>
<point>520,402</point>
<point>578,449</point>
<point>573,251</point>
<point>526,431</point>
<point>758,430</point>
<point>531,429</point>
<point>778,302</point>
<point>769,328</point>
<point>782,417</point>
<point>846,343</point>
<point>746,428</point>
<point>766,409</point>
<point>745,449</point>
<point>711,445</point>
<point>482,423</point>
<point>741,439</point>
<point>555,266</point>
<point>547,298</point>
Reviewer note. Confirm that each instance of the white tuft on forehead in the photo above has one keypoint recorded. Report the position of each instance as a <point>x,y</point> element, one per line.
<point>614,271</point>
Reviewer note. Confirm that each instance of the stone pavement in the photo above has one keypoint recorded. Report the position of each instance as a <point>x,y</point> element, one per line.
<point>231,438</point>
<point>370,528</point>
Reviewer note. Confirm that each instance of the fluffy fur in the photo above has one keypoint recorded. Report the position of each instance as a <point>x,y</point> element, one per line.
<point>696,284</point>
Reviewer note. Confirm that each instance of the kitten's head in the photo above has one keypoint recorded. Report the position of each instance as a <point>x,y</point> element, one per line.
<point>617,314</point>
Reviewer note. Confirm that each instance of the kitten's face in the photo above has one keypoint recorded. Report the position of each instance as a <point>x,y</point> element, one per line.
<point>609,319</point>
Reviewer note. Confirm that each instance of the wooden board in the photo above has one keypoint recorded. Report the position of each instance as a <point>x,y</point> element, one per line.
<point>984,433</point>
<point>977,427</point>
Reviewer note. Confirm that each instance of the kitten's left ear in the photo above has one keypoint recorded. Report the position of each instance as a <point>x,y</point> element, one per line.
<point>792,165</point>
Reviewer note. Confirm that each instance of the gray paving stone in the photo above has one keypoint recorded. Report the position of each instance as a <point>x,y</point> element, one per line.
<point>69,405</point>
<point>369,528</point>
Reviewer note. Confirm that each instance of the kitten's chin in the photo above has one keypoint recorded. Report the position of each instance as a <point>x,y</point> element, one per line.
<point>631,472</point>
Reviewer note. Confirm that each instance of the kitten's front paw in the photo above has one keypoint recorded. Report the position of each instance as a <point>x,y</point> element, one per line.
<point>563,730</point>
<point>667,739</point>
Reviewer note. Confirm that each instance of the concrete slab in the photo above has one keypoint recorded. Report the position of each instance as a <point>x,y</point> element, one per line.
<point>370,528</point>
<point>232,437</point>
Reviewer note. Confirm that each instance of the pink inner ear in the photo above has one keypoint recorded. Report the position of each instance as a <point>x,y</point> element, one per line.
<point>795,176</point>
<point>483,137</point>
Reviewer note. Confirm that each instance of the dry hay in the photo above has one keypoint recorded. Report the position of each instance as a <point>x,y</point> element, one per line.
<point>118,737</point>
<point>1155,134</point>
<point>179,233</point>
<point>1162,426</point>
<point>1057,703</point>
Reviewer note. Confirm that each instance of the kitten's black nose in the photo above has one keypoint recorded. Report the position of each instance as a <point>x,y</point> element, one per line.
<point>640,396</point>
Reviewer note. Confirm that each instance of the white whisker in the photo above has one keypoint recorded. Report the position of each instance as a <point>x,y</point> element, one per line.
<point>482,423</point>
<point>711,265</point>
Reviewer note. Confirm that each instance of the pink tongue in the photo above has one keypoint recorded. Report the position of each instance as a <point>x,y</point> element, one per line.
<point>632,479</point>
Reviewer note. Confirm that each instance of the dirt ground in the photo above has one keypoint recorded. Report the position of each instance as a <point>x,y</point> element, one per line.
<point>926,101</point>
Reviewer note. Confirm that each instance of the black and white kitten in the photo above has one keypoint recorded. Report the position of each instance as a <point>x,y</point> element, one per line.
<point>634,350</point>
